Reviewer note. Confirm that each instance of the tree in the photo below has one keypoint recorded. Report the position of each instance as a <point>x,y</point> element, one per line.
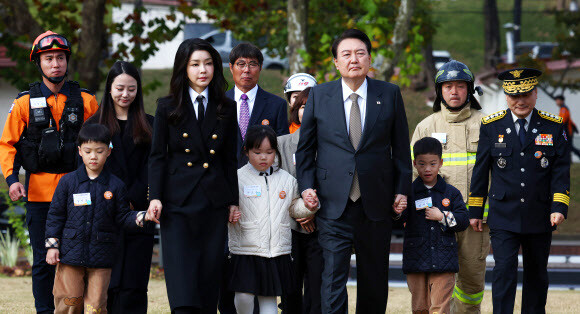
<point>266,22</point>
<point>297,30</point>
<point>491,34</point>
<point>85,24</point>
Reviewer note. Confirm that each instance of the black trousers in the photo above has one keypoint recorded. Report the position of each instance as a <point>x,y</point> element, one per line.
<point>308,264</point>
<point>42,272</point>
<point>193,238</point>
<point>371,240</point>
<point>130,275</point>
<point>535,252</point>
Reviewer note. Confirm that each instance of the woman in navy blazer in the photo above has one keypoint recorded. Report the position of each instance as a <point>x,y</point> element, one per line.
<point>122,112</point>
<point>193,176</point>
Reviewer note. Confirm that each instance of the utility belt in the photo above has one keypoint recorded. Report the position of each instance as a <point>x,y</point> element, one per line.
<point>43,147</point>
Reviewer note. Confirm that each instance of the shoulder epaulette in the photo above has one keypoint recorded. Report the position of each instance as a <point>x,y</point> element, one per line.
<point>88,91</point>
<point>493,117</point>
<point>550,116</point>
<point>24,93</point>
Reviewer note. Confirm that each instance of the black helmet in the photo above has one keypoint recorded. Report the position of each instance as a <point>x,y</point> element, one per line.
<point>454,71</point>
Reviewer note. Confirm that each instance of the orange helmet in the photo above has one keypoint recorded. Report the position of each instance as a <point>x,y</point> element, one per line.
<point>49,41</point>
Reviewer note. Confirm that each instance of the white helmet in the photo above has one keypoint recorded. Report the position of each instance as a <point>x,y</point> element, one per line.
<point>298,82</point>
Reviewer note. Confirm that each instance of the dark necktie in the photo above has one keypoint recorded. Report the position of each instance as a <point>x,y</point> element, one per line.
<point>200,109</point>
<point>522,133</point>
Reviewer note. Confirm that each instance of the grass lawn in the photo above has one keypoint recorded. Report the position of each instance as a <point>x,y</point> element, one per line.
<point>17,298</point>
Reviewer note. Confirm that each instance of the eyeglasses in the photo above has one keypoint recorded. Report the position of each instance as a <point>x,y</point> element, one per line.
<point>242,65</point>
<point>51,40</point>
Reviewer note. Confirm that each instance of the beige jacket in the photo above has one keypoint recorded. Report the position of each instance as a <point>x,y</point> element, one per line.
<point>460,130</point>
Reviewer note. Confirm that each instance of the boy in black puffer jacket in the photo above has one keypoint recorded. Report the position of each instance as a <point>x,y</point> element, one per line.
<point>87,209</point>
<point>430,250</point>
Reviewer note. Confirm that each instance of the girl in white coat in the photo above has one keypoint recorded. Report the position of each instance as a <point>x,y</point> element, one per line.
<point>260,239</point>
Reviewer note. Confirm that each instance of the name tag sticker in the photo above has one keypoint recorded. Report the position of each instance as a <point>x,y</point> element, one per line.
<point>423,203</point>
<point>442,137</point>
<point>82,199</point>
<point>38,102</point>
<point>252,190</point>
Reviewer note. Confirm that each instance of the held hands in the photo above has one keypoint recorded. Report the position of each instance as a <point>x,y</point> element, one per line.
<point>556,219</point>
<point>52,256</point>
<point>154,211</point>
<point>16,191</point>
<point>235,214</point>
<point>433,213</point>
<point>476,224</point>
<point>310,199</point>
<point>400,203</point>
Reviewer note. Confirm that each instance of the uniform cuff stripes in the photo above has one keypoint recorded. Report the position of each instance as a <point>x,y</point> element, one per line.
<point>51,243</point>
<point>475,201</point>
<point>562,198</point>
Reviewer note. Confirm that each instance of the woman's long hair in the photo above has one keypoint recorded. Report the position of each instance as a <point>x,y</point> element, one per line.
<point>299,102</point>
<point>178,87</point>
<point>107,115</point>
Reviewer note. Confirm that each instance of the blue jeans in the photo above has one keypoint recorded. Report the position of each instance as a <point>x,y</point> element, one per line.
<point>42,273</point>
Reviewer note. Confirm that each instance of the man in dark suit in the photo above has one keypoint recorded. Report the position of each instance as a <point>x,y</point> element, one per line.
<point>354,150</point>
<point>255,105</point>
<point>526,151</point>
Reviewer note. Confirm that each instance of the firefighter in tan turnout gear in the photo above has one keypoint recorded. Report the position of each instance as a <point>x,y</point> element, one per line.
<point>455,123</point>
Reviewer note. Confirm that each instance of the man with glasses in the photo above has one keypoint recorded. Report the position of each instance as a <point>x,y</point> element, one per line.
<point>255,105</point>
<point>40,134</point>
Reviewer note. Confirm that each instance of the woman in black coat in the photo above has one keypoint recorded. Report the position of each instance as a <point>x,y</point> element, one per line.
<point>122,111</point>
<point>193,176</point>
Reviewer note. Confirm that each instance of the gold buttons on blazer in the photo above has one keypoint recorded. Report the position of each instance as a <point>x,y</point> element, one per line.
<point>185,135</point>
<point>212,151</point>
<point>205,165</point>
<point>214,136</point>
<point>187,150</point>
<point>189,164</point>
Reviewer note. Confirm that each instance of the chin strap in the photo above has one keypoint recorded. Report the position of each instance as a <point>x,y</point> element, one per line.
<point>53,80</point>
<point>456,108</point>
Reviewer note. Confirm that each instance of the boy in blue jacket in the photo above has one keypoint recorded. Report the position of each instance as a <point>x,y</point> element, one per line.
<point>432,218</point>
<point>87,210</point>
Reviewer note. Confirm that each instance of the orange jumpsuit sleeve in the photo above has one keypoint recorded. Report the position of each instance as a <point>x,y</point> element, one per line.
<point>15,123</point>
<point>91,105</point>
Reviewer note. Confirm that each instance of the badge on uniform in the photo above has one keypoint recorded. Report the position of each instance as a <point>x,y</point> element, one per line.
<point>545,140</point>
<point>538,154</point>
<point>252,191</point>
<point>534,130</point>
<point>446,202</point>
<point>501,162</point>
<point>508,130</point>
<point>544,162</point>
<point>72,117</point>
<point>423,203</point>
<point>442,137</point>
<point>563,132</point>
<point>108,195</point>
<point>500,138</point>
<point>82,199</point>
<point>37,102</point>
<point>265,122</point>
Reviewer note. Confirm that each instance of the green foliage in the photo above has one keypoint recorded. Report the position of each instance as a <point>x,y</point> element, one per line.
<point>8,250</point>
<point>265,22</point>
<point>65,18</point>
<point>17,221</point>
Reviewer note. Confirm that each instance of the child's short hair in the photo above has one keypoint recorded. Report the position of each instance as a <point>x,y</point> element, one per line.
<point>427,145</point>
<point>97,133</point>
<point>256,134</point>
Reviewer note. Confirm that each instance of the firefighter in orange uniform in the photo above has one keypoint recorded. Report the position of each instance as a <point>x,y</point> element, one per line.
<point>40,135</point>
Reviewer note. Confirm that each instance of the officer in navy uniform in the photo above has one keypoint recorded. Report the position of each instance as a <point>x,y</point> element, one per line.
<point>526,151</point>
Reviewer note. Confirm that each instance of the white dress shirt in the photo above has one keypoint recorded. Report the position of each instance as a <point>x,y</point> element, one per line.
<point>526,125</point>
<point>362,102</point>
<point>251,99</point>
<point>193,95</point>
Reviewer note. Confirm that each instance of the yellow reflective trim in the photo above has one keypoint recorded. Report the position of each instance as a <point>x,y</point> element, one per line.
<point>474,299</point>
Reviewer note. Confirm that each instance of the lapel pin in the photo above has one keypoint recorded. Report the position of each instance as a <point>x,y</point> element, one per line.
<point>508,130</point>
<point>535,130</point>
